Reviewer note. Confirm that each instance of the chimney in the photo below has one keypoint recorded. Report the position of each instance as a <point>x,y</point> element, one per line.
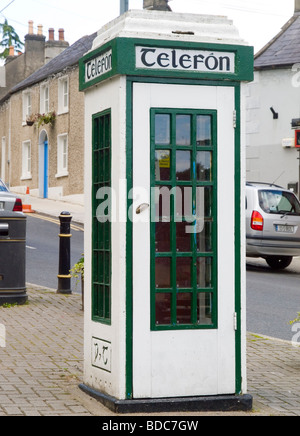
<point>51,34</point>
<point>30,27</point>
<point>54,47</point>
<point>297,6</point>
<point>157,5</point>
<point>11,54</point>
<point>40,30</point>
<point>61,33</point>
<point>34,51</point>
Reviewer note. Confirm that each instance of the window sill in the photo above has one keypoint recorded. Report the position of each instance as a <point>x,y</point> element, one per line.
<point>27,177</point>
<point>62,174</point>
<point>63,112</point>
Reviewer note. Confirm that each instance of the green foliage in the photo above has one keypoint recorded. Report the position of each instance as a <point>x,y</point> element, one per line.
<point>78,269</point>
<point>296,319</point>
<point>48,118</point>
<point>41,119</point>
<point>9,37</point>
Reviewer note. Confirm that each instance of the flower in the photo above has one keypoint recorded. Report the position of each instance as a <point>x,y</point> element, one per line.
<point>47,118</point>
<point>31,119</point>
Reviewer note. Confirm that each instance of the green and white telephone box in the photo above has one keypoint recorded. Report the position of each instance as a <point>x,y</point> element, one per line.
<point>164,232</point>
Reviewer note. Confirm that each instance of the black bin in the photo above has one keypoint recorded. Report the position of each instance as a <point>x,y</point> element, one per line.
<point>12,258</point>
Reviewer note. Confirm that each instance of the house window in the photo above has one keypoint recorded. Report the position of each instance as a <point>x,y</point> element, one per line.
<point>27,110</point>
<point>62,156</point>
<point>63,95</point>
<point>44,99</point>
<point>26,160</point>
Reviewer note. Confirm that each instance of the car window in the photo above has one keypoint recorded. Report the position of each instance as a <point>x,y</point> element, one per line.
<point>3,187</point>
<point>278,202</point>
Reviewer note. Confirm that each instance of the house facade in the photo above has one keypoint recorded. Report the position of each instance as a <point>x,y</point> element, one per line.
<point>272,108</point>
<point>47,156</point>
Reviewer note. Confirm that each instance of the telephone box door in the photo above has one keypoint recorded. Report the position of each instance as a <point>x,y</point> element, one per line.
<point>183,240</point>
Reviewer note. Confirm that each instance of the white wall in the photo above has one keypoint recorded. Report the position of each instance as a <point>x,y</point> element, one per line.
<point>267,160</point>
<point>109,95</point>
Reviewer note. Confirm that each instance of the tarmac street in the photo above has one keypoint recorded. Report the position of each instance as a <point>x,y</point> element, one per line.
<point>41,358</point>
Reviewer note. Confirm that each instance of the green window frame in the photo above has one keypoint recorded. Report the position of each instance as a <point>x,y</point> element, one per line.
<point>183,248</point>
<point>101,225</point>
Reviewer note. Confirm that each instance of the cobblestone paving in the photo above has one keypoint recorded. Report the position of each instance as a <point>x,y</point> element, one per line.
<point>42,363</point>
<point>274,374</point>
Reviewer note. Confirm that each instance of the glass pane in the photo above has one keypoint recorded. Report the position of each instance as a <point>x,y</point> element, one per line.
<point>162,165</point>
<point>162,129</point>
<point>163,309</point>
<point>106,302</point>
<point>162,203</point>
<point>204,272</point>
<point>204,202</point>
<point>204,236</point>
<point>107,268</point>
<point>204,130</point>
<point>184,272</point>
<point>183,239</point>
<point>183,130</point>
<point>184,203</point>
<point>204,308</point>
<point>183,165</point>
<point>99,267</point>
<point>278,202</point>
<point>162,237</point>
<point>204,166</point>
<point>163,272</point>
<point>184,308</point>
<point>99,296</point>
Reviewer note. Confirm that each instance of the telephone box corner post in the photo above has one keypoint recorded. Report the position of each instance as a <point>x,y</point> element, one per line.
<point>64,276</point>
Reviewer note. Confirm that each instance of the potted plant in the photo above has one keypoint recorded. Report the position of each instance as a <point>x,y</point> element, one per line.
<point>78,272</point>
<point>31,119</point>
<point>47,118</point>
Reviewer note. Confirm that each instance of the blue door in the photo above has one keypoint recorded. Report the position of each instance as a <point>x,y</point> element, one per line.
<point>45,169</point>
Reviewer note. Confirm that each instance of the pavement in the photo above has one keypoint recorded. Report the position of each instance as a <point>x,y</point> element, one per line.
<point>41,356</point>
<point>72,203</point>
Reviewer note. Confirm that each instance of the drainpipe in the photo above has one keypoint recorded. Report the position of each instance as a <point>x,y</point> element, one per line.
<point>123,6</point>
<point>156,5</point>
<point>9,145</point>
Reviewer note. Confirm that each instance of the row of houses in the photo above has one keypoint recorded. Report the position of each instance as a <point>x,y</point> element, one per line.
<point>48,157</point>
<point>42,114</point>
<point>42,117</point>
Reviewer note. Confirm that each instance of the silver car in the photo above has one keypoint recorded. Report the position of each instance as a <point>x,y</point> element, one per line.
<point>272,224</point>
<point>8,200</point>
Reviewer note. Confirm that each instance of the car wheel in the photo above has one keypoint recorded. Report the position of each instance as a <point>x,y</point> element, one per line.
<point>276,262</point>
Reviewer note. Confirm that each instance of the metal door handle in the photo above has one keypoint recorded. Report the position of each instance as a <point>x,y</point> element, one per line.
<point>141,208</point>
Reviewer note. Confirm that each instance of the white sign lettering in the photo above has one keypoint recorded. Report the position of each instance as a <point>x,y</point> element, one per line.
<point>98,66</point>
<point>185,60</point>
